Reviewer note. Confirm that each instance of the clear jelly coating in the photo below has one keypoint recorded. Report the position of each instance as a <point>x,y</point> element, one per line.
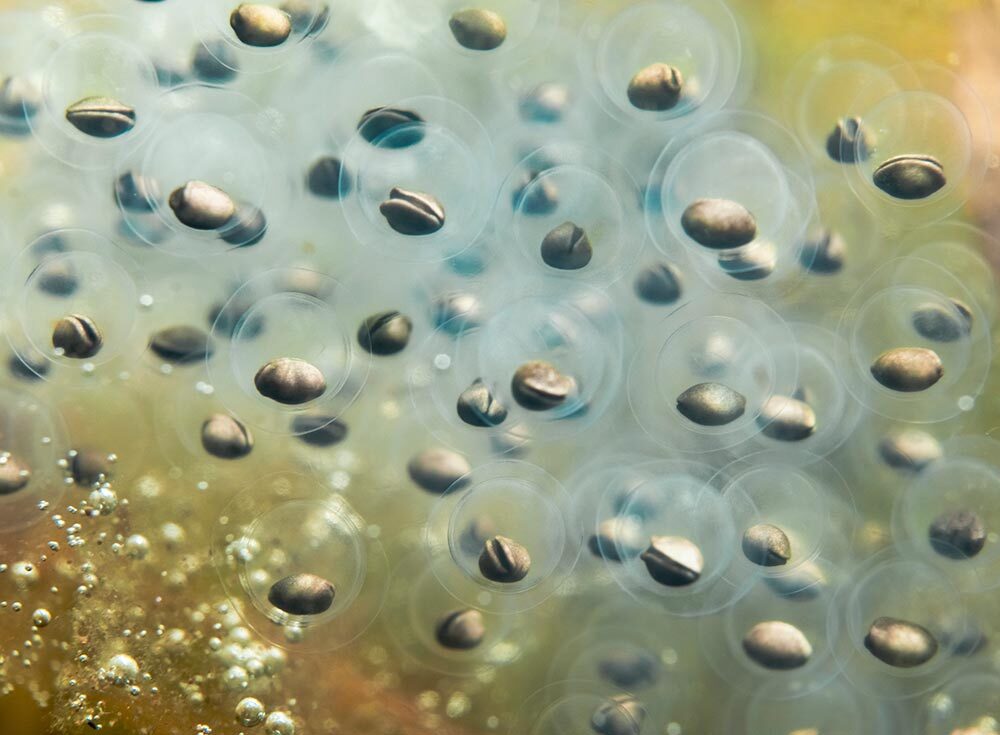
<point>802,495</point>
<point>914,304</point>
<point>259,53</point>
<point>948,515</point>
<point>726,649</point>
<point>98,59</point>
<point>679,501</point>
<point>523,503</point>
<point>578,336</point>
<point>449,162</point>
<point>964,251</point>
<point>700,40</point>
<point>967,702</point>
<point>570,706</point>
<point>595,194</point>
<point>834,81</point>
<point>820,414</point>
<point>296,314</point>
<point>331,99</point>
<point>22,97</point>
<point>231,144</point>
<point>74,273</point>
<point>932,118</point>
<point>752,161</point>
<point>252,550</point>
<point>837,708</point>
<point>888,585</point>
<point>414,616</point>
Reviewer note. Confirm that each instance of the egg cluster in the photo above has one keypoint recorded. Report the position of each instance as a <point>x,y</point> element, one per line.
<point>485,342</point>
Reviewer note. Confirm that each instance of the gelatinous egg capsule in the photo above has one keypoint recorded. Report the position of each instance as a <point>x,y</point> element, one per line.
<point>32,435</point>
<point>91,111</point>
<point>889,625</point>
<point>256,37</point>
<point>589,232</point>
<point>706,385</point>
<point>831,85</point>
<point>668,63</point>
<point>292,349</point>
<point>915,348</point>
<point>741,231</point>
<point>321,592</point>
<point>533,546</point>
<point>425,202</point>
<point>205,182</point>
<point>435,630</point>
<point>78,305</point>
<point>954,530</point>
<point>681,564</point>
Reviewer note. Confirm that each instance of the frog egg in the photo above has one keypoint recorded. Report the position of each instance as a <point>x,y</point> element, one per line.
<point>837,80</point>
<point>965,481</point>
<point>112,443</point>
<point>888,585</point>
<point>964,251</point>
<point>217,137</point>
<point>966,703</point>
<point>723,639</point>
<point>254,53</point>
<point>619,657</point>
<point>830,413</point>
<point>435,298</point>
<point>524,504</point>
<point>934,117</point>
<point>751,160</point>
<point>890,312</point>
<point>837,708</point>
<point>182,294</point>
<point>678,502</point>
<point>87,275</point>
<point>40,202</point>
<point>804,496</point>
<point>415,606</point>
<point>328,105</point>
<point>602,488</point>
<point>165,30</point>
<point>97,59</point>
<point>323,112</point>
<point>572,706</point>
<point>287,524</point>
<point>287,313</point>
<point>625,650</point>
<point>528,24</point>
<point>839,248</point>
<point>23,94</point>
<point>700,40</point>
<point>548,328</point>
<point>451,162</point>
<point>727,341</point>
<point>541,97</point>
<point>890,454</point>
<point>33,436</point>
<point>596,194</point>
